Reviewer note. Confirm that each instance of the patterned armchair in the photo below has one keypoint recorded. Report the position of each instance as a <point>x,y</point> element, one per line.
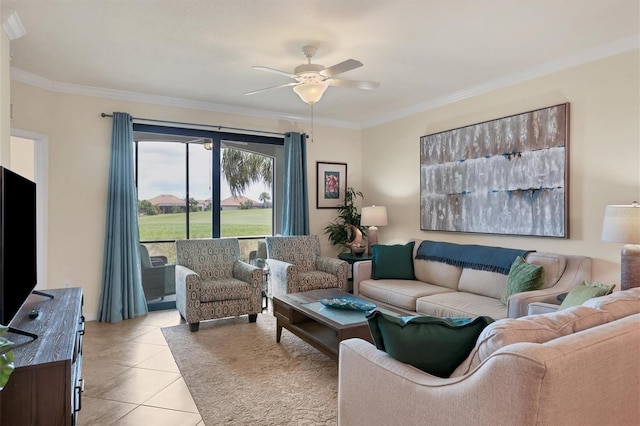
<point>296,265</point>
<point>211,281</point>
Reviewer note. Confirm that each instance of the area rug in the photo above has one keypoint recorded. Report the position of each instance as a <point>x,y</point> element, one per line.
<point>238,375</point>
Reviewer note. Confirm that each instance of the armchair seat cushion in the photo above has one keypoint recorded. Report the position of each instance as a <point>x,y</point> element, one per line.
<point>315,280</point>
<point>225,289</point>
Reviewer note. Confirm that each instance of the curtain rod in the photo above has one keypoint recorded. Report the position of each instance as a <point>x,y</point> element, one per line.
<point>103,115</point>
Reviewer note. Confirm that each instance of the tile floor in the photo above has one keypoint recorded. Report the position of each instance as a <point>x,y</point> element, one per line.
<point>131,377</point>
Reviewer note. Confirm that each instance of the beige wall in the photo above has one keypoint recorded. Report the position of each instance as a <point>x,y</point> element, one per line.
<point>22,157</point>
<point>604,162</point>
<point>604,155</point>
<point>79,144</point>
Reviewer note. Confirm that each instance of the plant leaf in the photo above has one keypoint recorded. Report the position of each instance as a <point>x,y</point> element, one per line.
<point>6,368</point>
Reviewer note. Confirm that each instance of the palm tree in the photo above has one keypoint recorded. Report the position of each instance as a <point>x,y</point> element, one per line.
<point>242,168</point>
<point>263,198</point>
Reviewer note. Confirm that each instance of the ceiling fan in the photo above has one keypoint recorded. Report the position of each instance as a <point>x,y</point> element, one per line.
<point>311,80</point>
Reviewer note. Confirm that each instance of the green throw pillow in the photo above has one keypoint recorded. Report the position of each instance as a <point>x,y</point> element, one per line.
<point>585,291</point>
<point>523,276</point>
<point>392,262</point>
<point>434,345</point>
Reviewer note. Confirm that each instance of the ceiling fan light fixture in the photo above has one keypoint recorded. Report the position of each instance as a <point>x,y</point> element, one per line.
<point>310,92</point>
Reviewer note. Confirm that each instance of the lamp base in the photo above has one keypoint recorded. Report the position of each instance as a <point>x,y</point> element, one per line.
<point>630,266</point>
<point>372,238</point>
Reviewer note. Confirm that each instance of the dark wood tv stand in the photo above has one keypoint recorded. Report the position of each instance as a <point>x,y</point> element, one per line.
<point>46,386</point>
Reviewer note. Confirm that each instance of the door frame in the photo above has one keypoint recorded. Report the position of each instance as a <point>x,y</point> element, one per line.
<point>41,174</point>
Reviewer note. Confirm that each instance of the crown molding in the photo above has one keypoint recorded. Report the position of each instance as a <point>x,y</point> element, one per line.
<point>31,79</point>
<point>589,55</point>
<point>12,24</point>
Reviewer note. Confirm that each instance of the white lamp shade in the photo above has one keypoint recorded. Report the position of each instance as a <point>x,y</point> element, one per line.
<point>374,216</point>
<point>310,92</point>
<point>622,224</point>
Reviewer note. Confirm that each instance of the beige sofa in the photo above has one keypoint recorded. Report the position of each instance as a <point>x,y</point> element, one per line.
<point>584,370</point>
<point>444,290</point>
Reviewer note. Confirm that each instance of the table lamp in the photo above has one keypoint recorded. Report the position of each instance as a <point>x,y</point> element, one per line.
<point>622,225</point>
<point>373,217</point>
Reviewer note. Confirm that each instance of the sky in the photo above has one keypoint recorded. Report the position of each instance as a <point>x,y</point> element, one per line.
<point>161,171</point>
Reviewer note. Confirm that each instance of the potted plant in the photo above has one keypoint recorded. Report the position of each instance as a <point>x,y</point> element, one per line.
<point>339,231</point>
<point>6,357</point>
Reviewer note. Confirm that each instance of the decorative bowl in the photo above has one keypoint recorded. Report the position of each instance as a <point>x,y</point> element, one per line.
<point>358,250</point>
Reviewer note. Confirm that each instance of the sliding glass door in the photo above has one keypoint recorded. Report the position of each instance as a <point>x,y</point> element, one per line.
<point>200,184</point>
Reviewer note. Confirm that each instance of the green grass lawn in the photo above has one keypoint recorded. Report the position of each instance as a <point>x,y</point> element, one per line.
<point>233,223</point>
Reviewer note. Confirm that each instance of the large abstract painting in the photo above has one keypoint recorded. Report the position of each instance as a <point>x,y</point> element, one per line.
<point>504,176</point>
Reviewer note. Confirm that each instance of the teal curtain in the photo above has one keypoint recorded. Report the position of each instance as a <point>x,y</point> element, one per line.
<point>295,215</point>
<point>122,294</point>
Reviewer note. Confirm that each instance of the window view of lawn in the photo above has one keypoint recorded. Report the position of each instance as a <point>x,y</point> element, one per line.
<point>233,223</point>
<point>168,170</point>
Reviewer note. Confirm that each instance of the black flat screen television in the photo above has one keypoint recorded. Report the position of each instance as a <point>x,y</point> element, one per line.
<point>17,242</point>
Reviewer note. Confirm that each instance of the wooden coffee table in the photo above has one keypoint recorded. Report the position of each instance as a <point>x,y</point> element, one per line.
<point>320,326</point>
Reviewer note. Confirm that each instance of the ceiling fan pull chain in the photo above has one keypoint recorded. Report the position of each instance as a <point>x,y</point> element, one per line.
<point>311,123</point>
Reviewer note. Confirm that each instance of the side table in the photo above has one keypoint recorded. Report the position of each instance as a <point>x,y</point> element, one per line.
<point>351,259</point>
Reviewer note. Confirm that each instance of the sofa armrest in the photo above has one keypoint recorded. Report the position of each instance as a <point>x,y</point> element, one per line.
<point>412,397</point>
<point>537,308</point>
<point>283,277</point>
<point>577,270</point>
<point>361,271</point>
<point>336,267</point>
<point>187,288</point>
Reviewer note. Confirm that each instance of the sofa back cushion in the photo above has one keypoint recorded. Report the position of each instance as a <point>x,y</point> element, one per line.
<point>484,283</point>
<point>553,264</point>
<point>535,329</point>
<point>619,304</point>
<point>436,273</point>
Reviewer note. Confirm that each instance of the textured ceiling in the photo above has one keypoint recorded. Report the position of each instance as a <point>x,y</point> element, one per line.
<point>423,52</point>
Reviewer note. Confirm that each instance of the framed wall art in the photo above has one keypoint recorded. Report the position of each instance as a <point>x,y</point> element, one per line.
<point>504,176</point>
<point>331,182</point>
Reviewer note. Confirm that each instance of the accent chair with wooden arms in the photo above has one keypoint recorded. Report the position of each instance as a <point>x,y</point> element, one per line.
<point>296,265</point>
<point>212,282</point>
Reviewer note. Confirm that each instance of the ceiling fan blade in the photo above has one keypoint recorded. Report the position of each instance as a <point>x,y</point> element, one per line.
<point>273,70</point>
<point>364,85</point>
<point>348,65</point>
<point>293,83</point>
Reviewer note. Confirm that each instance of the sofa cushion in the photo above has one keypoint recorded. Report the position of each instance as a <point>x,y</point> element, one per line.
<point>523,276</point>
<point>534,329</point>
<point>619,304</point>
<point>432,272</point>
<point>432,344</point>
<point>438,273</point>
<point>585,291</point>
<point>400,293</point>
<point>460,304</point>
<point>392,262</point>
<point>484,283</point>
<point>553,264</point>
